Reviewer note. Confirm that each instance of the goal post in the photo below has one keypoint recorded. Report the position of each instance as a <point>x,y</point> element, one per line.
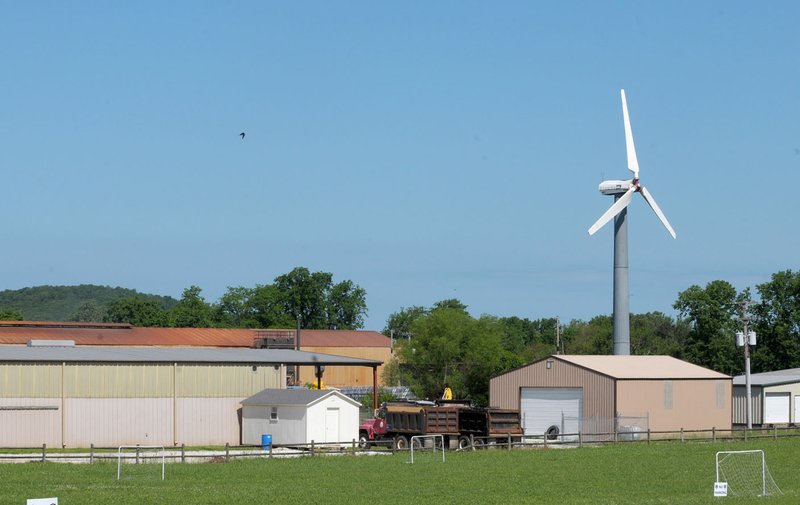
<point>140,454</point>
<point>744,473</point>
<point>426,443</point>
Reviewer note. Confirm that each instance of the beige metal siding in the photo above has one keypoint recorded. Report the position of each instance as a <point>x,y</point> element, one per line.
<point>598,390</point>
<point>740,405</point>
<point>225,381</point>
<point>208,421</point>
<point>340,376</point>
<point>22,426</point>
<point>110,422</point>
<point>694,403</point>
<point>92,380</point>
<point>30,380</point>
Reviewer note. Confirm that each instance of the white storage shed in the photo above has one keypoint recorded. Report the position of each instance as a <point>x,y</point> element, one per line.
<point>775,398</point>
<point>300,416</point>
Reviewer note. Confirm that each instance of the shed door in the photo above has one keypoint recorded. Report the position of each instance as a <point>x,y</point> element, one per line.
<point>776,408</point>
<point>542,408</point>
<point>332,425</point>
<point>796,409</point>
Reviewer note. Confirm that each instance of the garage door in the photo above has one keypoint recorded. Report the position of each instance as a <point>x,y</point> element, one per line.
<point>776,408</point>
<point>544,408</point>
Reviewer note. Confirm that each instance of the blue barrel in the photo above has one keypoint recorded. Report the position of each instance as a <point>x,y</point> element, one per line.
<point>266,442</point>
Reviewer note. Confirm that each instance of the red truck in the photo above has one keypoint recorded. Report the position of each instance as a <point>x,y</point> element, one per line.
<point>454,420</point>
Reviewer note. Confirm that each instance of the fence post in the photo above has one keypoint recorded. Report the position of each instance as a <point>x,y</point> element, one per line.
<point>44,452</point>
<point>227,452</point>
<point>183,452</point>
<point>648,435</point>
<point>776,433</point>
<point>580,440</point>
<point>615,435</point>
<point>544,437</point>
<point>270,451</point>
<point>745,434</point>
<point>91,454</point>
<point>472,441</point>
<point>137,454</point>
<point>682,439</point>
<point>312,447</point>
<point>509,442</point>
<point>354,446</point>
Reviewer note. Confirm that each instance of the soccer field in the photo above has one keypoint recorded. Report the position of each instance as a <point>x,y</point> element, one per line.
<point>663,473</point>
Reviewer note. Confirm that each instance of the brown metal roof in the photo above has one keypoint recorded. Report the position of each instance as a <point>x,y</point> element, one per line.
<point>642,367</point>
<point>20,332</point>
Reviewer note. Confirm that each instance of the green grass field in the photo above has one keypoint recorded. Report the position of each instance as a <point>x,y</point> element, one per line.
<point>662,473</point>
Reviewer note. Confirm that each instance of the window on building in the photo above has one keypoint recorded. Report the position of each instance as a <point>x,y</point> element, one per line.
<point>668,395</point>
<point>720,394</point>
<point>273,415</point>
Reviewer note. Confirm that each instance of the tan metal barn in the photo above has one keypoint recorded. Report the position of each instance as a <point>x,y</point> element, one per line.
<point>600,394</point>
<point>110,396</point>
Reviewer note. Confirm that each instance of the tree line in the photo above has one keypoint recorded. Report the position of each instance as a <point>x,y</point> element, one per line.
<point>445,344</point>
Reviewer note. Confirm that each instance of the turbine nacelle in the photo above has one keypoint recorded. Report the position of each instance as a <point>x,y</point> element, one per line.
<point>616,187</point>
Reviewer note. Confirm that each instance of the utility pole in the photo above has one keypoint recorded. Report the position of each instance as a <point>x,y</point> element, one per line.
<point>745,339</point>
<point>559,344</point>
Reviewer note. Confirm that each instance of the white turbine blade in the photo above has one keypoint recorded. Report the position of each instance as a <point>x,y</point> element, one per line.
<point>633,163</point>
<point>653,205</point>
<point>612,211</point>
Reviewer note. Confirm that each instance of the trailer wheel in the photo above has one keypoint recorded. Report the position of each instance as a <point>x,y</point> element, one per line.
<point>363,441</point>
<point>401,442</point>
<point>463,443</point>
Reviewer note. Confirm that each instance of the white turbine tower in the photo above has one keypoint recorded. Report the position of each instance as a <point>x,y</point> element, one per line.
<point>623,194</point>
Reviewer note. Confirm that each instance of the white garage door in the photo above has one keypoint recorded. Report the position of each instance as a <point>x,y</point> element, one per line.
<point>542,408</point>
<point>776,408</point>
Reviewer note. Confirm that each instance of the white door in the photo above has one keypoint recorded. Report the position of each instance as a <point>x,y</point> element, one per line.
<point>544,408</point>
<point>776,408</point>
<point>332,425</point>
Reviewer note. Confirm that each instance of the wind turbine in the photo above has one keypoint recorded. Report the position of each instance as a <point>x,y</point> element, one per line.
<point>623,192</point>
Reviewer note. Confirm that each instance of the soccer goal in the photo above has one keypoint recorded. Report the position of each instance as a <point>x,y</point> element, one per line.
<point>744,473</point>
<point>424,448</point>
<point>141,461</point>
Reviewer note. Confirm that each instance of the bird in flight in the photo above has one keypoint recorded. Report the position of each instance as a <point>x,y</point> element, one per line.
<point>242,135</point>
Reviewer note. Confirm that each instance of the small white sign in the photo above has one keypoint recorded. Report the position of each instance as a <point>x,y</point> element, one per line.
<point>720,489</point>
<point>43,501</point>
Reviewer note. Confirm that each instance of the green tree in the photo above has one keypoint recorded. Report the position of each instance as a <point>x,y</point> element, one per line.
<point>89,311</point>
<point>268,308</point>
<point>235,308</point>
<point>448,345</point>
<point>137,311</point>
<point>712,313</point>
<point>11,315</point>
<point>655,333</point>
<point>399,323</point>
<point>317,303</point>
<point>347,306</point>
<point>594,337</point>
<point>777,323</point>
<point>192,311</point>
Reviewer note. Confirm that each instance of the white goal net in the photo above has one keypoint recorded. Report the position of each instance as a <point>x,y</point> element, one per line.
<point>745,473</point>
<point>140,461</point>
<point>425,448</point>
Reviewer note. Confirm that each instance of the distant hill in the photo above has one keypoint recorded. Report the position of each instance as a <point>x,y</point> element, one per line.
<point>59,303</point>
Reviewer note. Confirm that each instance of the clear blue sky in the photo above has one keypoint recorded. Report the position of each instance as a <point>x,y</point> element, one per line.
<point>423,150</point>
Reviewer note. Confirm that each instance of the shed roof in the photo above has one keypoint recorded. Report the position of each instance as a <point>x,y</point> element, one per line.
<point>787,376</point>
<point>641,367</point>
<point>293,397</point>
<point>20,332</point>
<point>175,355</point>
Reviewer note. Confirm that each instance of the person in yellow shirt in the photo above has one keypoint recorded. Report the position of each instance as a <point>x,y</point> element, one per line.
<point>448,393</point>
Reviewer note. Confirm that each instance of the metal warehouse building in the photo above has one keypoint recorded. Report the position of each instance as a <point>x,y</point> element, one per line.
<point>364,344</point>
<point>110,396</point>
<point>594,394</point>
<point>775,397</point>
